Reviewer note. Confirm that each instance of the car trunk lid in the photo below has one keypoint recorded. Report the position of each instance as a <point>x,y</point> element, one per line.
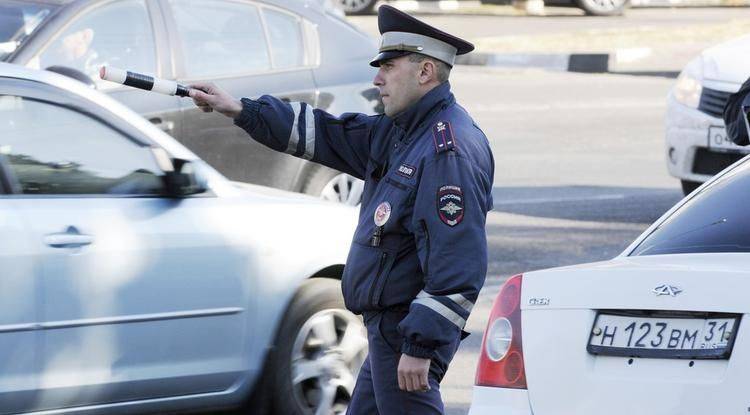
<point>560,308</point>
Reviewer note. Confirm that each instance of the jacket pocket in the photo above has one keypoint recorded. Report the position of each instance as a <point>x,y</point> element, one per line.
<point>427,247</point>
<point>365,273</point>
<point>398,184</point>
<point>381,278</point>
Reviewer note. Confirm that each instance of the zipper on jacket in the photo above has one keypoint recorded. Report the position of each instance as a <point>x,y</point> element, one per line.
<point>383,257</point>
<point>427,240</point>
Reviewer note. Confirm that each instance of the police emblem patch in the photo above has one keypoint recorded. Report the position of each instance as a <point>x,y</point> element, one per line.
<point>382,214</point>
<point>450,205</point>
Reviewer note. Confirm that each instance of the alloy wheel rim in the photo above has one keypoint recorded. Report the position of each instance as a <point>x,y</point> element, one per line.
<point>343,188</point>
<point>326,357</point>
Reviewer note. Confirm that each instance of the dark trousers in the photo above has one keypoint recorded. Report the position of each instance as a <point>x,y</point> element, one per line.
<point>377,392</point>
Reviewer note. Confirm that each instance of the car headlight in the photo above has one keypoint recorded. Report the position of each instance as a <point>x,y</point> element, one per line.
<point>689,86</point>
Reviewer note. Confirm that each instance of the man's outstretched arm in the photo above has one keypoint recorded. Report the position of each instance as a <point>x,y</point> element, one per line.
<point>296,128</point>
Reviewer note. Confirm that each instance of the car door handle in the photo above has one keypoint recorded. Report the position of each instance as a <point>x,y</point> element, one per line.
<point>71,238</point>
<point>161,124</point>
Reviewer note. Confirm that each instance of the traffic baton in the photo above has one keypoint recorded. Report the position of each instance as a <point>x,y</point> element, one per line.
<point>141,81</point>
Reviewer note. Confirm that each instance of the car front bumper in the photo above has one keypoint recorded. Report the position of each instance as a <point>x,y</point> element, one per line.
<point>688,132</point>
<point>494,401</point>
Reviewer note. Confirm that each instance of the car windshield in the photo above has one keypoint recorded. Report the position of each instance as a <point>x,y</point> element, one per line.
<point>715,220</point>
<point>18,20</point>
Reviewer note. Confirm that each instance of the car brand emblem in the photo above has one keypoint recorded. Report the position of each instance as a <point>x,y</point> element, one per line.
<point>382,214</point>
<point>669,290</point>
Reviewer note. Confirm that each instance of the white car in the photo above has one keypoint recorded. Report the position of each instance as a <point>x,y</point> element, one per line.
<point>696,142</point>
<point>657,330</point>
<point>134,278</point>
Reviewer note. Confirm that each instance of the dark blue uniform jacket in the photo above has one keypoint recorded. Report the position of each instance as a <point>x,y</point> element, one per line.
<point>734,118</point>
<point>428,182</point>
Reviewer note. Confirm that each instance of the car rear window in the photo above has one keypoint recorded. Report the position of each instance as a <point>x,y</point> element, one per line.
<point>18,20</point>
<point>716,220</point>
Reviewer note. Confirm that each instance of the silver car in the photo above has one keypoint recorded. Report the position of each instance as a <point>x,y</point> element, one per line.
<point>298,50</point>
<point>135,278</point>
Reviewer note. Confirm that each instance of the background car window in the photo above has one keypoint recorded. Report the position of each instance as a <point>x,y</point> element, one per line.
<point>55,150</point>
<point>716,220</point>
<point>18,19</point>
<point>118,34</point>
<point>220,37</point>
<point>285,35</point>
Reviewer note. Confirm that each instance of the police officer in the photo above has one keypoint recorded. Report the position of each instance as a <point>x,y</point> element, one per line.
<point>419,254</point>
<point>735,118</point>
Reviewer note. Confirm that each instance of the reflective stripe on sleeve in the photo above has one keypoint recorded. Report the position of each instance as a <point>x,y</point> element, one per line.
<point>441,309</point>
<point>309,133</point>
<point>291,148</point>
<point>459,299</point>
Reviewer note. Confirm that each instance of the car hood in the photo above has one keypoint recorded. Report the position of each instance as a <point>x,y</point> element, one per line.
<point>273,192</point>
<point>304,210</point>
<point>728,61</point>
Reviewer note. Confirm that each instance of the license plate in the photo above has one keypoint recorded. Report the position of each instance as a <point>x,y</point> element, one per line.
<point>666,336</point>
<point>719,141</point>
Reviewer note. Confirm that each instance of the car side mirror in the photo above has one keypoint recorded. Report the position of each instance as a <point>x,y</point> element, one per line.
<point>180,178</point>
<point>183,181</point>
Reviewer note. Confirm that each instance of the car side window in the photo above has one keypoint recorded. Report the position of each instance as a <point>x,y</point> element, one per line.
<point>220,37</point>
<point>285,34</point>
<point>55,150</point>
<point>118,34</point>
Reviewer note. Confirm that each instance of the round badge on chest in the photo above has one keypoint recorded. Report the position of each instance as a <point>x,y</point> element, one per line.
<point>382,214</point>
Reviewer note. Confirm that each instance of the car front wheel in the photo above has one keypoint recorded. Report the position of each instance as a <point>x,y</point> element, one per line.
<point>603,7</point>
<point>334,186</point>
<point>689,186</point>
<point>319,351</point>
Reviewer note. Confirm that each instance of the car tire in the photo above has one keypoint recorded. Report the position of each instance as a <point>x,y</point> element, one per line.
<point>334,186</point>
<point>689,186</point>
<point>358,7</point>
<point>320,348</point>
<point>603,7</point>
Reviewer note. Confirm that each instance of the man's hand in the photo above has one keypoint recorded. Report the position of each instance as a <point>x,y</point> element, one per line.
<point>208,97</point>
<point>412,374</point>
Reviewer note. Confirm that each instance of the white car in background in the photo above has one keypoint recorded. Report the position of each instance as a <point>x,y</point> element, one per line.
<point>657,330</point>
<point>697,143</point>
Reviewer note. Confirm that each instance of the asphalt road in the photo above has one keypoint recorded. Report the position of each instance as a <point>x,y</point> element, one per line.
<point>580,172</point>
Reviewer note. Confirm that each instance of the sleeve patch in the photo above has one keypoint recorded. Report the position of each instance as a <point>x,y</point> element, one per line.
<point>442,134</point>
<point>450,205</point>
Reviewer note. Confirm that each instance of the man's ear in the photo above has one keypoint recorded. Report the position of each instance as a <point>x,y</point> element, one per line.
<point>427,71</point>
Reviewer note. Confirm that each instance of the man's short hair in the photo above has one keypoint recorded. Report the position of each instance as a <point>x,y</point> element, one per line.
<point>443,69</point>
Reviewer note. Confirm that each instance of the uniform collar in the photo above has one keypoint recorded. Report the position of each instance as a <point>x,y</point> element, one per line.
<point>419,112</point>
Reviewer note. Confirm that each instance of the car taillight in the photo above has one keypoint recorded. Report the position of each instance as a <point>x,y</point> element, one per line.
<point>501,358</point>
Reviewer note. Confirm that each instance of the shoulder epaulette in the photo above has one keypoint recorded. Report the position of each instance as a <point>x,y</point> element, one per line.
<point>442,134</point>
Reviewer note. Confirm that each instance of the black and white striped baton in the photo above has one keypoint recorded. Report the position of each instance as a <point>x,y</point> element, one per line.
<point>137,80</point>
